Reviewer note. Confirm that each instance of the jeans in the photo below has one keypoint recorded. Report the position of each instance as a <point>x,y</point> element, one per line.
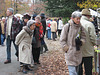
<point>72,70</point>
<point>49,33</point>
<point>8,43</point>
<point>87,65</point>
<point>2,39</point>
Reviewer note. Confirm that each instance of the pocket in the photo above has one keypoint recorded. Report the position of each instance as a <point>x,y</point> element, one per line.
<point>24,47</point>
<point>65,48</point>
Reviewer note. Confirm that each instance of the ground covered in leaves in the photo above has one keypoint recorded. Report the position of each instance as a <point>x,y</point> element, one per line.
<point>53,61</point>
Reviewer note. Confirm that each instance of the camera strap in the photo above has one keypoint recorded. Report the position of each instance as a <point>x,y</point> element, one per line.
<point>68,27</point>
<point>79,33</point>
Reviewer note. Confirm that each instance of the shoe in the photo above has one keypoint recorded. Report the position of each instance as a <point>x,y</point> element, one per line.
<point>21,65</point>
<point>7,61</point>
<point>2,45</point>
<point>45,50</point>
<point>49,39</point>
<point>38,62</point>
<point>31,66</point>
<point>35,63</point>
<point>54,40</point>
<point>24,71</point>
<point>27,68</point>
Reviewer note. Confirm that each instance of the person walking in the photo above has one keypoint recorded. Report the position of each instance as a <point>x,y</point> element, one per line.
<point>54,29</point>
<point>88,47</point>
<point>11,30</point>
<point>49,30</point>
<point>60,26</point>
<point>72,39</point>
<point>24,40</point>
<point>43,44</point>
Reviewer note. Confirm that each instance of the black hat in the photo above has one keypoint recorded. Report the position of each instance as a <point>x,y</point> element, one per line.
<point>27,16</point>
<point>34,15</point>
<point>42,15</point>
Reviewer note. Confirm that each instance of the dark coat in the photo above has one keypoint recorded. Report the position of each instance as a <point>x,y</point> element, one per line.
<point>43,21</point>
<point>14,28</point>
<point>37,33</point>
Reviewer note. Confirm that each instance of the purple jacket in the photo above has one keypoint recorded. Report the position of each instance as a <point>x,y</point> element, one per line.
<point>14,28</point>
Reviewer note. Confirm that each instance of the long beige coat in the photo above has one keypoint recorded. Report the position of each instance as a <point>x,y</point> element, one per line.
<point>53,26</point>
<point>24,40</point>
<point>88,47</point>
<point>72,57</point>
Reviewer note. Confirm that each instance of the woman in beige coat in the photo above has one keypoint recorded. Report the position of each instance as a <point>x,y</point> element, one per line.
<point>72,38</point>
<point>54,29</point>
<point>24,40</point>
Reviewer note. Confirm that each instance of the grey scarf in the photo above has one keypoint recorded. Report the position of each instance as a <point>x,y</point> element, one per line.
<point>28,30</point>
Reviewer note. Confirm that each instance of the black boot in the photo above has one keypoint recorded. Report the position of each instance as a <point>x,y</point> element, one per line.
<point>41,51</point>
<point>27,68</point>
<point>24,69</point>
<point>45,46</point>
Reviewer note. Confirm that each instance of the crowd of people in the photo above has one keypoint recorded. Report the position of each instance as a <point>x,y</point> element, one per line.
<point>27,35</point>
<point>77,38</point>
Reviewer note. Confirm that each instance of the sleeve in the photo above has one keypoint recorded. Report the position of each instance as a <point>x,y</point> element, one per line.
<point>83,35</point>
<point>19,37</point>
<point>92,34</point>
<point>56,26</point>
<point>64,36</point>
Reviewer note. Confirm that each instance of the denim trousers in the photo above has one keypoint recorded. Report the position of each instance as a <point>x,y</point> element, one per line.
<point>2,39</point>
<point>49,33</point>
<point>72,70</point>
<point>87,61</point>
<point>8,44</point>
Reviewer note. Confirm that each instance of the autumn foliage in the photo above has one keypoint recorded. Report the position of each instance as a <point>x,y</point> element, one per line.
<point>94,4</point>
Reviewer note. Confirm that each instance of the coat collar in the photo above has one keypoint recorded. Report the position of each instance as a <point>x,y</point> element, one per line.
<point>85,18</point>
<point>72,23</point>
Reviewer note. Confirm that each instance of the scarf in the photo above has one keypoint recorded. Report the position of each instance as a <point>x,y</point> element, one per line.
<point>28,30</point>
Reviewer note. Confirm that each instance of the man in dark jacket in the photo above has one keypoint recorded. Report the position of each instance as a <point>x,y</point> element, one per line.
<point>43,44</point>
<point>11,30</point>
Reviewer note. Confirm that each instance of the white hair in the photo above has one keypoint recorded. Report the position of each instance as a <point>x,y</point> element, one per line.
<point>11,10</point>
<point>76,14</point>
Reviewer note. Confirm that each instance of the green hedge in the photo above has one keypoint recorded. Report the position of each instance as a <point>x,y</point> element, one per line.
<point>65,20</point>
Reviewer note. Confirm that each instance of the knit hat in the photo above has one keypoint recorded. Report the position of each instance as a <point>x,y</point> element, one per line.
<point>86,12</point>
<point>30,22</point>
